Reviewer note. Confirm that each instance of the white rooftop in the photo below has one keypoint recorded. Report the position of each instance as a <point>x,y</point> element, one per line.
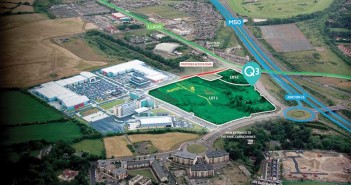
<point>52,90</point>
<point>74,100</point>
<point>72,80</point>
<point>142,109</point>
<point>167,47</point>
<point>138,66</point>
<point>88,74</point>
<point>155,120</point>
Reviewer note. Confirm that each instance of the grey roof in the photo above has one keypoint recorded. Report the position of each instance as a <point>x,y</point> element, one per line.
<point>216,153</point>
<point>158,170</point>
<point>201,167</point>
<point>132,163</point>
<point>185,154</point>
<point>103,163</point>
<point>119,171</point>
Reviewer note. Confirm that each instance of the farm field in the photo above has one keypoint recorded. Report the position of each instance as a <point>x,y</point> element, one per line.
<point>116,146</point>
<point>33,58</point>
<point>93,146</point>
<point>277,9</point>
<point>214,101</point>
<point>164,142</point>
<point>18,108</point>
<point>65,131</point>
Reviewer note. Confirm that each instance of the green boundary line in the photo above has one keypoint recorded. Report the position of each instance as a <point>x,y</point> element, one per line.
<point>194,45</point>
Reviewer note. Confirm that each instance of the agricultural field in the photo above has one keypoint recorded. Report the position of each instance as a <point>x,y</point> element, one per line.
<point>285,38</point>
<point>19,108</point>
<point>164,142</point>
<point>215,101</point>
<point>33,58</point>
<point>65,131</point>
<point>277,9</point>
<point>116,146</point>
<point>93,146</point>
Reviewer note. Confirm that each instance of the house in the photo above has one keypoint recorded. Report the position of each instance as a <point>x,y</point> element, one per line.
<point>201,170</point>
<point>216,156</point>
<point>137,164</point>
<point>184,157</point>
<point>159,172</point>
<point>119,173</point>
<point>68,175</point>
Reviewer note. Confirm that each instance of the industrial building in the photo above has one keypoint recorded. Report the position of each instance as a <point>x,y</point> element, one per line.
<point>58,91</point>
<point>156,122</point>
<point>216,156</point>
<point>125,109</point>
<point>140,81</point>
<point>166,47</point>
<point>121,17</point>
<point>52,91</point>
<point>134,66</point>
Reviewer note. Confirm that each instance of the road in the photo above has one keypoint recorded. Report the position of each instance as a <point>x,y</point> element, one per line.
<point>290,86</point>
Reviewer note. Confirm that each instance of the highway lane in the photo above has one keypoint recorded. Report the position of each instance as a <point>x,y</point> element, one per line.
<point>284,81</point>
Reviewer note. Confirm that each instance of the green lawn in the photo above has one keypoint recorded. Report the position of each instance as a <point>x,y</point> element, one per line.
<point>144,172</point>
<point>93,146</point>
<point>111,104</point>
<point>278,9</point>
<point>214,101</point>
<point>17,107</point>
<point>162,10</point>
<point>196,148</point>
<point>65,131</point>
<point>232,76</point>
<point>299,114</point>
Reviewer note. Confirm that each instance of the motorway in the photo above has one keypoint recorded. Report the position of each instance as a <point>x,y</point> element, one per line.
<point>284,81</point>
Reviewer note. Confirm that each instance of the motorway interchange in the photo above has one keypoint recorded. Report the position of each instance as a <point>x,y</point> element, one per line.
<point>269,66</point>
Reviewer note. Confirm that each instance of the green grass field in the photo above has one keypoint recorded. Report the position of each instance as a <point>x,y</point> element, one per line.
<point>278,9</point>
<point>111,104</point>
<point>93,146</point>
<point>299,114</point>
<point>196,148</point>
<point>232,76</point>
<point>144,172</point>
<point>65,131</point>
<point>17,107</point>
<point>214,101</point>
<point>226,38</point>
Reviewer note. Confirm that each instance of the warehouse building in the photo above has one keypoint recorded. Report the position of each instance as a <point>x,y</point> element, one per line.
<point>166,47</point>
<point>156,122</point>
<point>140,81</point>
<point>134,66</point>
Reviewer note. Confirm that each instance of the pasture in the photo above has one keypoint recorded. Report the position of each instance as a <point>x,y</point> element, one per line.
<point>93,146</point>
<point>116,146</point>
<point>277,9</point>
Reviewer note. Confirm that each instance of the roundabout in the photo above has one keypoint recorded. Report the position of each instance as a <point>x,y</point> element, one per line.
<point>299,114</point>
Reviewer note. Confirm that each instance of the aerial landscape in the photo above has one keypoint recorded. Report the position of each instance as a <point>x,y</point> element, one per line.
<point>198,92</point>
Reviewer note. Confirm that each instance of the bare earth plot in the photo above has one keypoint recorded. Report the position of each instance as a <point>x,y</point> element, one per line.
<point>319,166</point>
<point>164,142</point>
<point>116,146</point>
<point>28,55</point>
<point>285,38</point>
